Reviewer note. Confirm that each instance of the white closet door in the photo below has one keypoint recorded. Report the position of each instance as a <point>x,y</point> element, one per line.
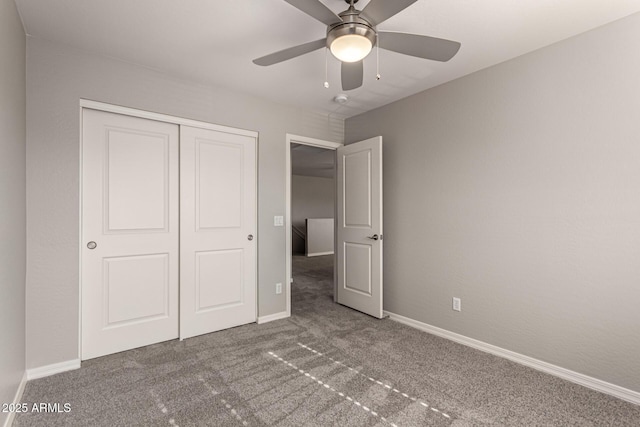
<point>217,230</point>
<point>129,232</point>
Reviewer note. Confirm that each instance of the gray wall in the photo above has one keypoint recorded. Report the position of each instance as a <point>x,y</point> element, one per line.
<point>57,78</point>
<point>517,189</point>
<point>311,197</point>
<point>12,201</point>
<point>320,236</point>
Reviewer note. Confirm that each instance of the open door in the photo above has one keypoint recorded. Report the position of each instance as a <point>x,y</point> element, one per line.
<point>359,226</point>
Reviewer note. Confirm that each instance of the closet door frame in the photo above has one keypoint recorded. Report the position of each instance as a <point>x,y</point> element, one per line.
<point>111,108</point>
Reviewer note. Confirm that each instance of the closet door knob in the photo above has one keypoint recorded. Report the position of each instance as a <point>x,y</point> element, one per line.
<point>92,245</point>
<point>250,237</point>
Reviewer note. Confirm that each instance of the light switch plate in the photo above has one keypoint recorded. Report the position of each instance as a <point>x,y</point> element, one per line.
<point>278,221</point>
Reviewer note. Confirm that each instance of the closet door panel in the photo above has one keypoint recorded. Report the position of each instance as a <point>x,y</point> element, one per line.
<point>130,236</point>
<point>218,227</point>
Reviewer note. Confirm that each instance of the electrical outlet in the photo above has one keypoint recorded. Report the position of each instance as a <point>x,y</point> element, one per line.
<point>278,221</point>
<point>457,304</point>
<point>278,288</point>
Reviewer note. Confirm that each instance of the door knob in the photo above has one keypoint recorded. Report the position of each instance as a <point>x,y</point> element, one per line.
<point>92,245</point>
<point>374,237</point>
<point>250,237</point>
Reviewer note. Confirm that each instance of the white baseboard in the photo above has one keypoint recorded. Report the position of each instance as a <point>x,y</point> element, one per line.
<point>16,400</point>
<point>319,253</point>
<point>272,317</point>
<point>56,368</point>
<point>566,374</point>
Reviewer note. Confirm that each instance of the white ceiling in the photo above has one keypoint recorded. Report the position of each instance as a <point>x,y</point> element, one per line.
<point>213,42</point>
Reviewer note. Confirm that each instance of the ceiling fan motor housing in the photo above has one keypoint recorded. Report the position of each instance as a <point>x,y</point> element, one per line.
<point>352,24</point>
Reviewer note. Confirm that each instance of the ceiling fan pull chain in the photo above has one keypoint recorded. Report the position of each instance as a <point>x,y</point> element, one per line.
<point>377,57</point>
<point>326,73</point>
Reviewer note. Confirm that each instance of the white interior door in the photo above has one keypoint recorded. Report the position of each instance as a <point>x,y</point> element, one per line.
<point>129,232</point>
<point>217,230</point>
<point>359,226</point>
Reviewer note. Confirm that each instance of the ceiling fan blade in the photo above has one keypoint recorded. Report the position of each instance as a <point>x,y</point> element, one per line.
<point>290,53</point>
<point>351,75</point>
<point>315,9</point>
<point>378,11</point>
<point>416,45</point>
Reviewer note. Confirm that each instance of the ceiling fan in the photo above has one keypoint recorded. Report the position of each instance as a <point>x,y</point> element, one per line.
<point>352,34</point>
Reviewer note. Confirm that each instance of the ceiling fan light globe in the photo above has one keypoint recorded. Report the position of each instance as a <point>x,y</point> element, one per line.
<point>351,47</point>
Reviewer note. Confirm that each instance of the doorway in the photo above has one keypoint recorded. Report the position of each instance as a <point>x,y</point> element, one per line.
<point>310,165</point>
<point>358,221</point>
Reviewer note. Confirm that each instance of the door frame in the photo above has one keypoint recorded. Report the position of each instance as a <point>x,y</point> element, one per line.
<point>313,142</point>
<point>159,117</point>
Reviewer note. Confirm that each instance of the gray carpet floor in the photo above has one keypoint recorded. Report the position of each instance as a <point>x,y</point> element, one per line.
<point>327,365</point>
